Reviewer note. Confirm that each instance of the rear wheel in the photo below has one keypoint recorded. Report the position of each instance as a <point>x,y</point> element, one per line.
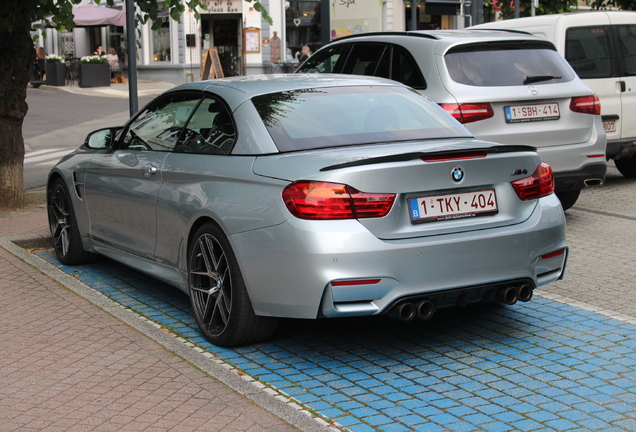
<point>218,295</point>
<point>63,226</point>
<point>627,166</point>
<point>568,198</point>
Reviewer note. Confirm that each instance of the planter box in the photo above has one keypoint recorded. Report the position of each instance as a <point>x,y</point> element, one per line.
<point>94,75</point>
<point>55,74</point>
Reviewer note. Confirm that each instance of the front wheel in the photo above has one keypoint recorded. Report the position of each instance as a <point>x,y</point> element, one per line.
<point>568,198</point>
<point>63,226</point>
<point>627,166</point>
<point>220,302</point>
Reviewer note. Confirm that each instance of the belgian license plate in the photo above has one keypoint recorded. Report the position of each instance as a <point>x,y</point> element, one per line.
<point>453,206</point>
<point>609,126</point>
<point>536,112</point>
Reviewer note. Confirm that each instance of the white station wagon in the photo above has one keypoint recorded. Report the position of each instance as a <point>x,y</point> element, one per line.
<point>507,87</point>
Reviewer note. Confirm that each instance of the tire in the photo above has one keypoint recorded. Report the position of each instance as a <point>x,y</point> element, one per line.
<point>63,226</point>
<point>627,166</point>
<point>219,299</point>
<point>568,198</point>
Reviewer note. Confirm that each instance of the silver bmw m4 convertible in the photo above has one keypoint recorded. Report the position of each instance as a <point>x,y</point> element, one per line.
<point>309,196</point>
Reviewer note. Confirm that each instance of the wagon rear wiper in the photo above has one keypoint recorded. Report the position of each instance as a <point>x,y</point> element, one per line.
<point>537,78</point>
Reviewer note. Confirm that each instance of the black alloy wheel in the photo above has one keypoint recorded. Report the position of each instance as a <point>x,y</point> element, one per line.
<point>63,226</point>
<point>220,301</point>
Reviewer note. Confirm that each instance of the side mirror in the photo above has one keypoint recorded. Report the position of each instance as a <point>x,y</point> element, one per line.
<point>102,138</point>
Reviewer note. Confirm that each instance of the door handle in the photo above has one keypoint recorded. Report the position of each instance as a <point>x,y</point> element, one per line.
<point>150,169</point>
<point>622,83</point>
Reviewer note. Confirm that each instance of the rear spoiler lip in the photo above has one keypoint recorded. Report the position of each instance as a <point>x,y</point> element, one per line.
<point>416,155</point>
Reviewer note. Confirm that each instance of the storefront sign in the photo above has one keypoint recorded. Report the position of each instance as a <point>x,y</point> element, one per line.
<point>355,16</point>
<point>224,6</point>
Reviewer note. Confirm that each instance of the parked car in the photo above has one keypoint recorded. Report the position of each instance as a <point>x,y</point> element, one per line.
<point>309,196</point>
<point>503,86</point>
<point>601,47</point>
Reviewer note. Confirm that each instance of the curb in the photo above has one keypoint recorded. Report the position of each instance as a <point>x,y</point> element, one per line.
<point>270,400</point>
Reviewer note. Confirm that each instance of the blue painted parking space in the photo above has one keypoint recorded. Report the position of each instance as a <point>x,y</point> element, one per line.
<point>541,365</point>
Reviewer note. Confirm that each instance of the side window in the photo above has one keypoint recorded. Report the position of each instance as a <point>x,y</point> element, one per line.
<point>406,70</point>
<point>328,60</point>
<point>209,131</point>
<point>587,49</point>
<point>158,127</point>
<point>626,35</point>
<point>364,59</point>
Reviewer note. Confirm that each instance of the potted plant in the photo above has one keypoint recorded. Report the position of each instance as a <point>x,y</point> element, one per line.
<point>94,71</point>
<point>55,70</point>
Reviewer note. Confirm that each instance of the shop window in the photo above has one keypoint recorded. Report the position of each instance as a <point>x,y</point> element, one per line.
<point>303,26</point>
<point>161,42</point>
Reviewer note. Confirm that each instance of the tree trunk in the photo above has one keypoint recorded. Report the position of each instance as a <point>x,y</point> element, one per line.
<point>17,57</point>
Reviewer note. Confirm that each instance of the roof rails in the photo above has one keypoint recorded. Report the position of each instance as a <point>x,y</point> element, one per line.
<point>523,32</point>
<point>389,33</point>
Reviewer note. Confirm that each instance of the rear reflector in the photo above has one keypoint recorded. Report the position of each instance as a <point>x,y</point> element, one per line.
<point>540,184</point>
<point>596,156</point>
<point>586,105</point>
<point>323,201</point>
<point>553,254</point>
<point>470,112</point>
<point>355,282</point>
<point>455,156</point>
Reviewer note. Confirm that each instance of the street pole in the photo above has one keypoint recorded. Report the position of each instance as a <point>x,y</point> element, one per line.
<point>131,48</point>
<point>516,8</point>
<point>414,14</point>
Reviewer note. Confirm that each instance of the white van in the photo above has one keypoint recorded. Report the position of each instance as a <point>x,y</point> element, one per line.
<point>601,47</point>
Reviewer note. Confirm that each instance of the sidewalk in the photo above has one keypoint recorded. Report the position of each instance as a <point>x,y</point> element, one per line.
<point>68,365</point>
<point>144,88</point>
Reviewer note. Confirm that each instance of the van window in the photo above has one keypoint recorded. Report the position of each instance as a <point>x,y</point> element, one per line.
<point>587,49</point>
<point>507,64</point>
<point>626,35</point>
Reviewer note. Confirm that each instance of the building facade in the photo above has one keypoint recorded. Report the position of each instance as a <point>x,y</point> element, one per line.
<point>244,43</point>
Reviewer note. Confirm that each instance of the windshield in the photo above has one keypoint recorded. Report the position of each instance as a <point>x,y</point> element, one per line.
<point>341,116</point>
<point>507,64</point>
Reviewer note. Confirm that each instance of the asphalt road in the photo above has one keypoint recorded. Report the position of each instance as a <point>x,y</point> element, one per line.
<point>58,121</point>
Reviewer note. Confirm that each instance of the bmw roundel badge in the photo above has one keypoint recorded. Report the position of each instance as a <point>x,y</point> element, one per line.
<point>457,174</point>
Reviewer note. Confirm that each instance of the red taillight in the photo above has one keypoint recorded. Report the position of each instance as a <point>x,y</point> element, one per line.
<point>455,156</point>
<point>469,112</point>
<point>586,105</point>
<point>540,184</point>
<point>322,200</point>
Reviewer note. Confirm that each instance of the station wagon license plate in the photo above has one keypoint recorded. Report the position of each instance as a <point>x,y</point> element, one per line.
<point>536,112</point>
<point>453,206</point>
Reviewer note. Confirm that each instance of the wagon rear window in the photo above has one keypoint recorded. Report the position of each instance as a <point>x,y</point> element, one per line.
<point>507,64</point>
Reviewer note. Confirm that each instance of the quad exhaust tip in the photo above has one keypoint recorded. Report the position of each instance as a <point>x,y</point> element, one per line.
<point>424,309</point>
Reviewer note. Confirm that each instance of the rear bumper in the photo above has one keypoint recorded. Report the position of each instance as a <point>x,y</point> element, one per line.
<point>292,271</point>
<point>590,175</point>
<point>617,149</point>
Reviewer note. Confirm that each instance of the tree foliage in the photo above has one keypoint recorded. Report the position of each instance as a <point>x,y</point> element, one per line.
<point>607,4</point>
<point>17,20</point>
<point>506,7</point>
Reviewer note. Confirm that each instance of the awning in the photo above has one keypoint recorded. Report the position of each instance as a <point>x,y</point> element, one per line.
<point>93,15</point>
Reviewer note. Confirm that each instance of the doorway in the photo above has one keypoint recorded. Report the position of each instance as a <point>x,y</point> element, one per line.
<point>223,33</point>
